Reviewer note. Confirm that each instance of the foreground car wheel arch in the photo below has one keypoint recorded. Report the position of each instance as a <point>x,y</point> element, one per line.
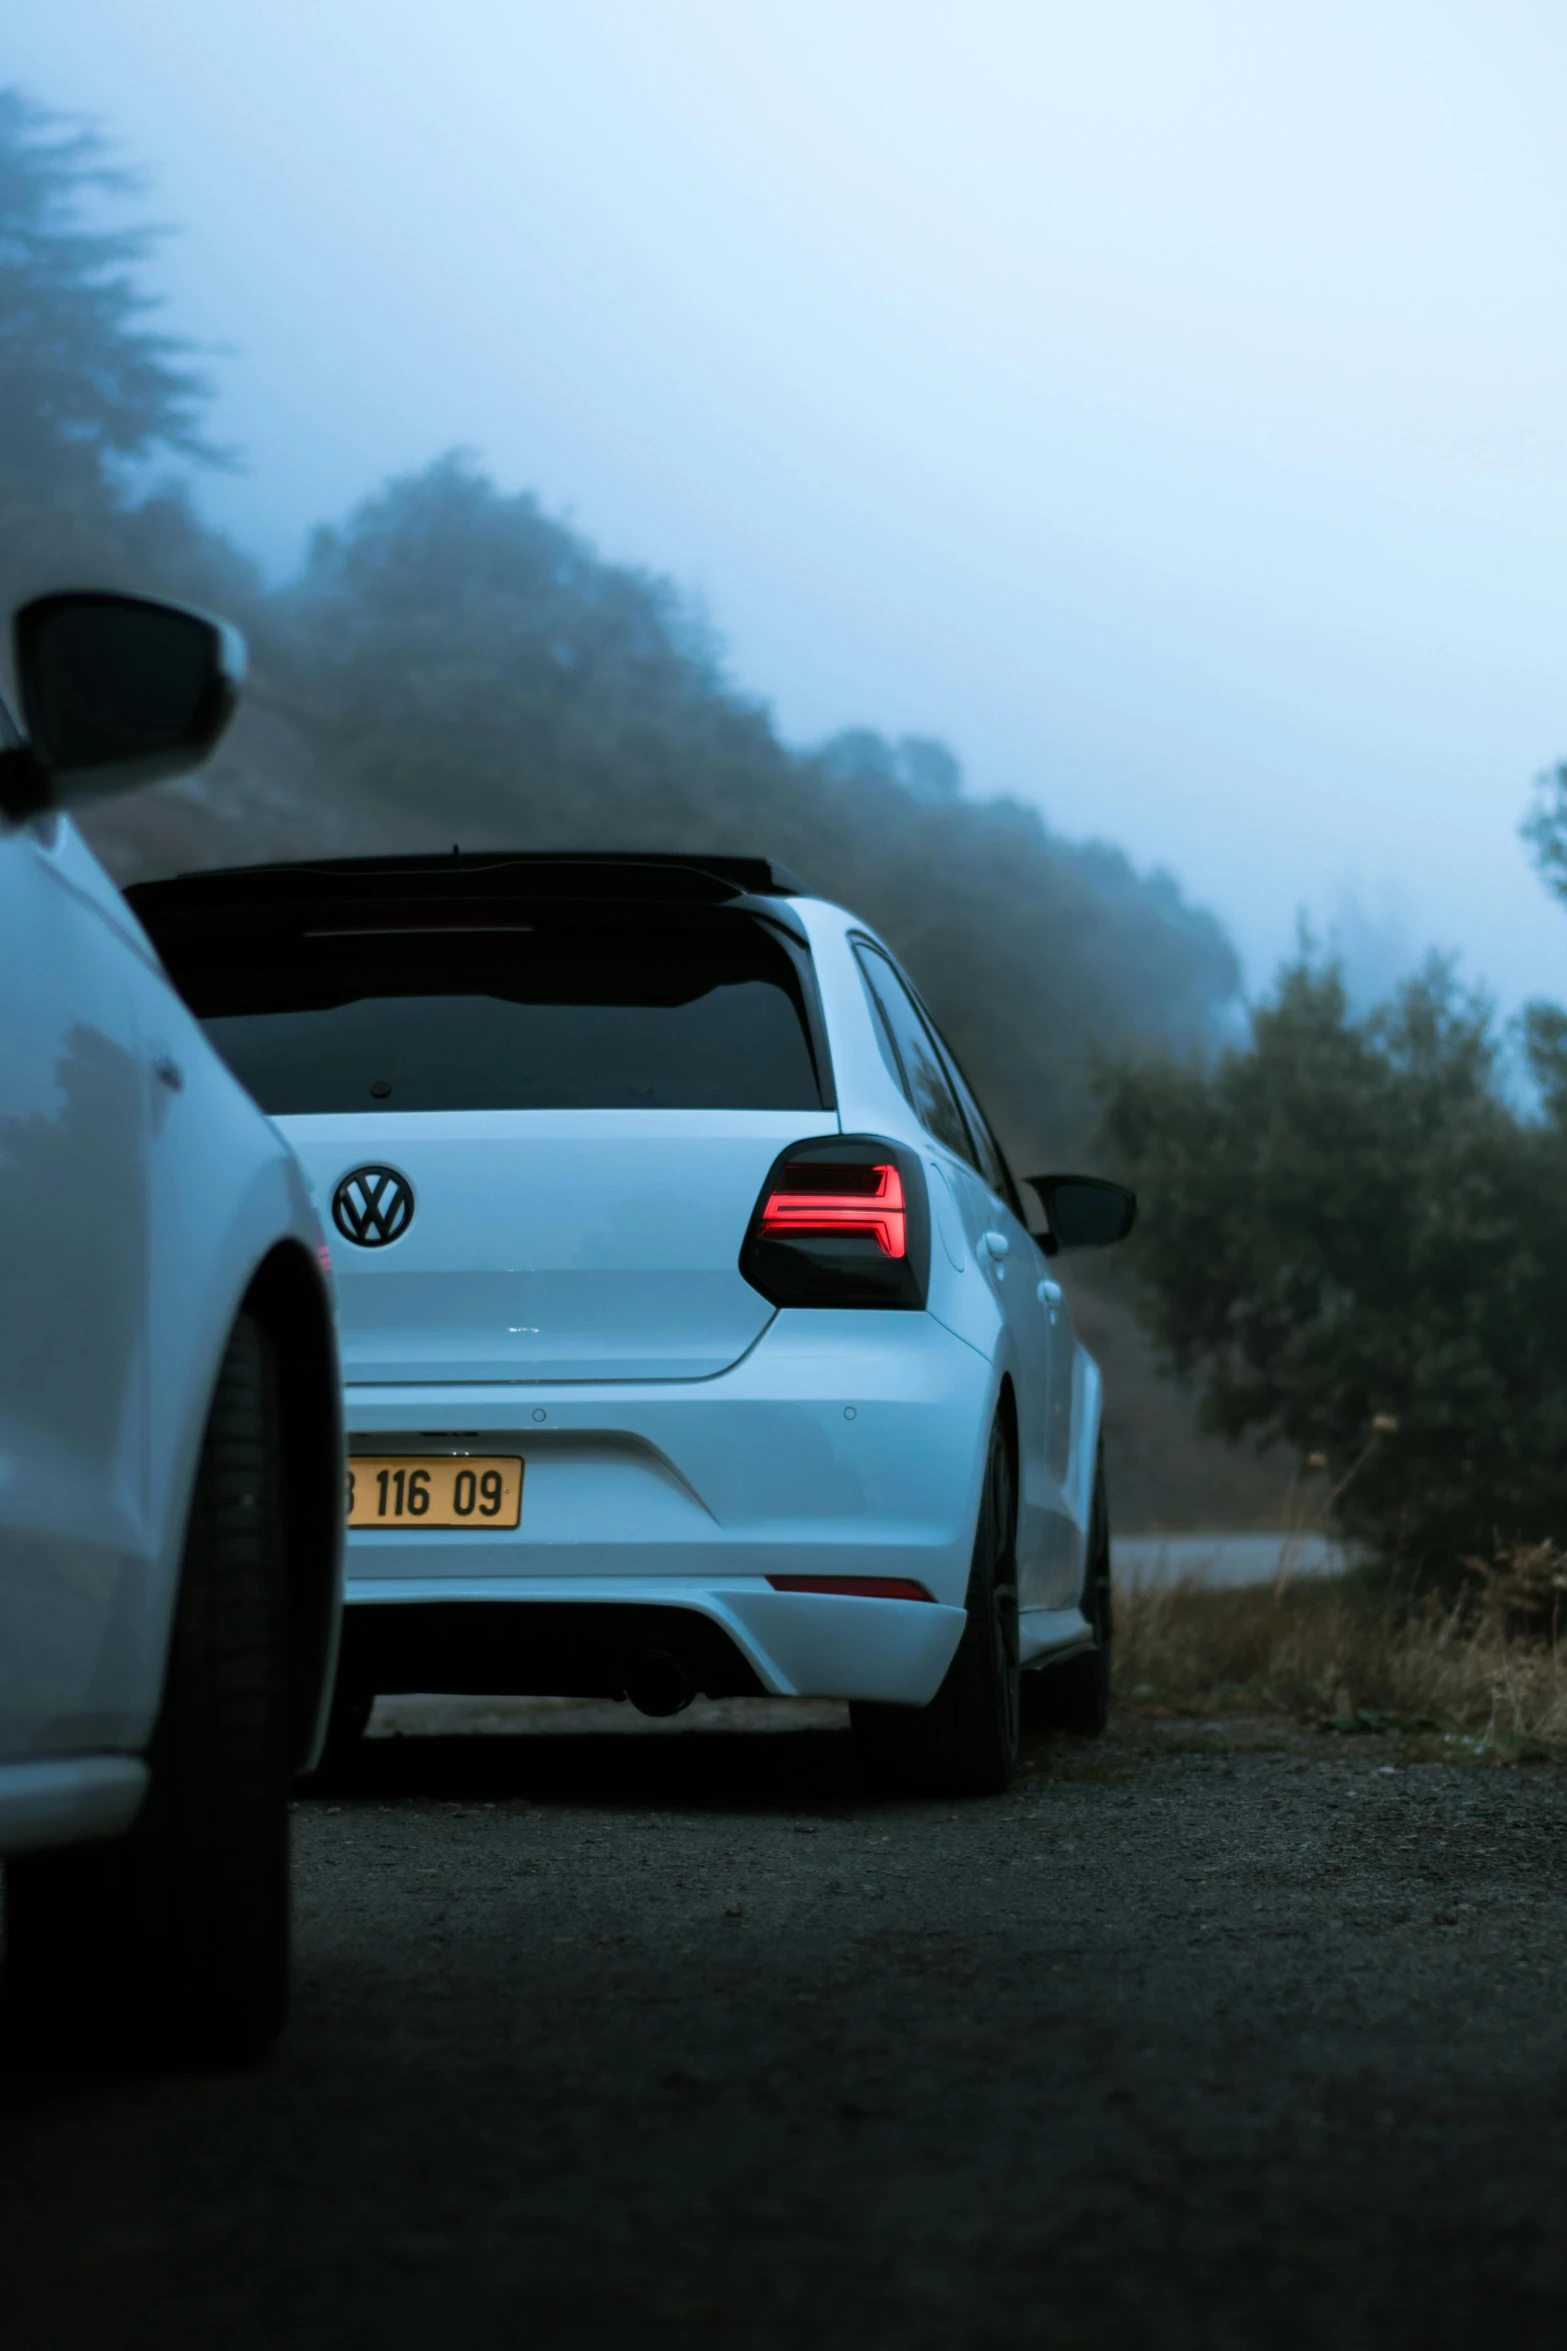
<point>287,1300</point>
<point>964,1743</point>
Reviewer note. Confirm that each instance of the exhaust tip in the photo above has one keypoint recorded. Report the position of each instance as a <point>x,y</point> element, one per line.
<point>656,1683</point>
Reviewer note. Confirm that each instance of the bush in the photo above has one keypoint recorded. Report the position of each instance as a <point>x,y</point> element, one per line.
<point>1357,1244</point>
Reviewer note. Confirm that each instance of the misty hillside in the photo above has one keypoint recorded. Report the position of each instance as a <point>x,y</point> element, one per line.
<point>454,664</point>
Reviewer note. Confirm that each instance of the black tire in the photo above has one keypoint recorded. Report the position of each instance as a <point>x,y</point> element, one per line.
<point>1075,1696</point>
<point>172,1942</point>
<point>964,1743</point>
<point>346,1725</point>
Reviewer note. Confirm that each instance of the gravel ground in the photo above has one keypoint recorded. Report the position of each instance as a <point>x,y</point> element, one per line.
<point>608,2034</point>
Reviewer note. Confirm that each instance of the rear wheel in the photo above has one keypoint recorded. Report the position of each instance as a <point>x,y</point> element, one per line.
<point>172,1941</point>
<point>1076,1696</point>
<point>964,1743</point>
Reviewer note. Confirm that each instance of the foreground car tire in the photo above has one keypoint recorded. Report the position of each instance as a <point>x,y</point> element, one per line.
<point>1076,1696</point>
<point>172,1941</point>
<point>346,1725</point>
<point>964,1743</point>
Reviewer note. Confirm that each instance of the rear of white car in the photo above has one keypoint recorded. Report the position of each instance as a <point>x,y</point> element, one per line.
<point>676,1333</point>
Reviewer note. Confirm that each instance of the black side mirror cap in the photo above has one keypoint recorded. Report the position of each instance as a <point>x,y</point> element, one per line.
<point>116,692</point>
<point>1085,1212</point>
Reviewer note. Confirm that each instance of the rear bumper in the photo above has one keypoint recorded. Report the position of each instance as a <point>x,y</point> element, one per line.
<point>843,1444</point>
<point>584,1636</point>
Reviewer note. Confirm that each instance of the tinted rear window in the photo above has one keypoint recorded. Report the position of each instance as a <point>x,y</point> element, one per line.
<point>602,1016</point>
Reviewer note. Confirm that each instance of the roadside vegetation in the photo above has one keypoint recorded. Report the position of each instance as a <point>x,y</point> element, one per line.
<point>1480,1672</point>
<point>1355,1246</point>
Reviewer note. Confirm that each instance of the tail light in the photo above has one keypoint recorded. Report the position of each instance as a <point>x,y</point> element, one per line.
<point>842,1220</point>
<point>865,1201</point>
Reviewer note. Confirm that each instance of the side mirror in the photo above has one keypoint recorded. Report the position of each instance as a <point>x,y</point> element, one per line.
<point>116,692</point>
<point>1084,1212</point>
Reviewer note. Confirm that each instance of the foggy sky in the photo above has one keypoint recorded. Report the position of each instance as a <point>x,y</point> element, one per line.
<point>1166,405</point>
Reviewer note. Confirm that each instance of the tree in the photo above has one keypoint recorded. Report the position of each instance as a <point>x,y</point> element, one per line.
<point>1347,1222</point>
<point>89,390</point>
<point>83,384</point>
<point>1545,829</point>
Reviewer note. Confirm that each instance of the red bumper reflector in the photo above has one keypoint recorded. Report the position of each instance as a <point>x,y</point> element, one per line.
<point>838,1200</point>
<point>857,1587</point>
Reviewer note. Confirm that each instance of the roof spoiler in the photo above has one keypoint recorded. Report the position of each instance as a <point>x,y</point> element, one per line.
<point>499,873</point>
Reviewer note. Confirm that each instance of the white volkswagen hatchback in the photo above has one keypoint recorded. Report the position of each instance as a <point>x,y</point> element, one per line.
<point>170,1451</point>
<point>695,1337</point>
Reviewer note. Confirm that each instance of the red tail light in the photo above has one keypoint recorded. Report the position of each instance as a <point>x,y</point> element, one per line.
<point>842,1220</point>
<point>825,1199</point>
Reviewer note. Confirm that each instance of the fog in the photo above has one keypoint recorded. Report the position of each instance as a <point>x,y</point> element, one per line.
<point>1167,407</point>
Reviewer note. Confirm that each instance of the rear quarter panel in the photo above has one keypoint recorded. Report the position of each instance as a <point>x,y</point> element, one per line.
<point>871,1101</point>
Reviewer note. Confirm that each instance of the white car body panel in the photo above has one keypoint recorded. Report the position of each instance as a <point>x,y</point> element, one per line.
<point>74,1282</point>
<point>568,1290</point>
<point>615,1261</point>
<point>140,1191</point>
<point>843,1443</point>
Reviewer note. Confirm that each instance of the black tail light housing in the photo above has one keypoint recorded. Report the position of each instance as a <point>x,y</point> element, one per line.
<point>842,1220</point>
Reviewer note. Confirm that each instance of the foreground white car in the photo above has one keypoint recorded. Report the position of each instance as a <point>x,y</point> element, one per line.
<point>694,1336</point>
<point>170,1450</point>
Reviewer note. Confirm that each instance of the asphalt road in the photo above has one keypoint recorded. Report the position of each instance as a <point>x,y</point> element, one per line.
<point>686,2038</point>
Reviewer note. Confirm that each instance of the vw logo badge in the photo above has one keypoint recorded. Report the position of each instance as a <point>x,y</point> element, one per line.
<point>373,1205</point>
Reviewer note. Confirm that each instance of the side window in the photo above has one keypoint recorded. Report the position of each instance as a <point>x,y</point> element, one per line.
<point>917,1061</point>
<point>991,1164</point>
<point>882,1025</point>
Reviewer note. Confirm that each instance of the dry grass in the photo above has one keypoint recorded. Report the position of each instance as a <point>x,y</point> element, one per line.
<point>1487,1670</point>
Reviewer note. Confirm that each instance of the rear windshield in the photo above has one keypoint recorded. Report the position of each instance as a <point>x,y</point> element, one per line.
<point>597,1017</point>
